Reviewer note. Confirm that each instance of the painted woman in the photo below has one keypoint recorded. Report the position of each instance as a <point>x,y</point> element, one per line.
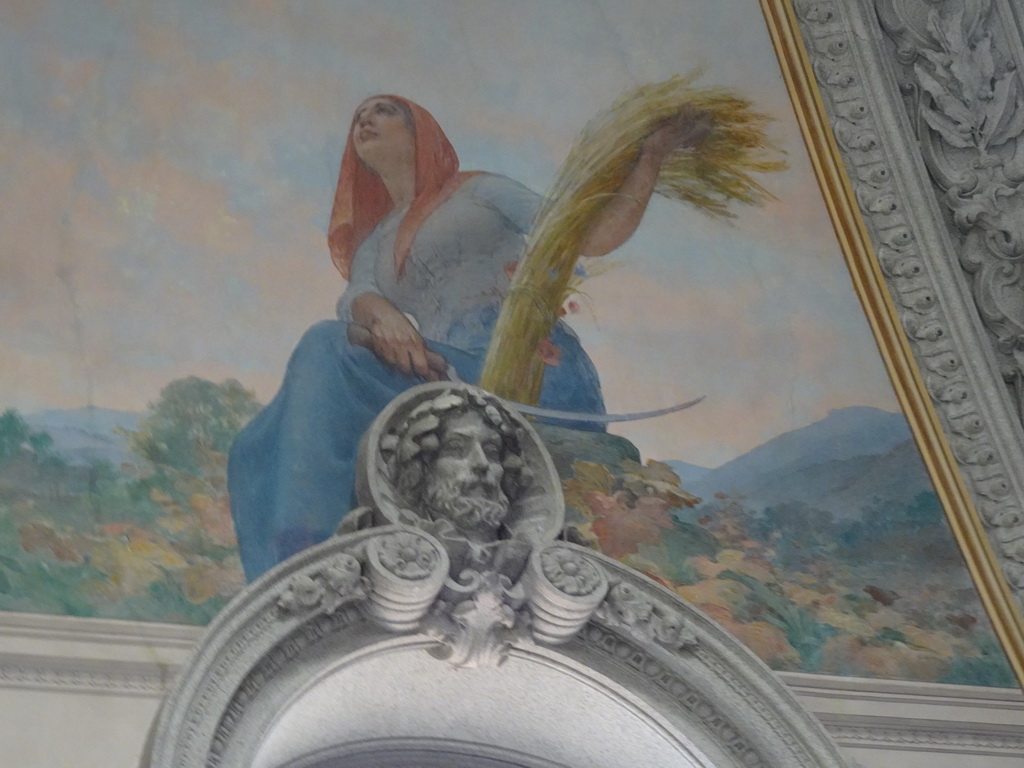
<point>427,251</point>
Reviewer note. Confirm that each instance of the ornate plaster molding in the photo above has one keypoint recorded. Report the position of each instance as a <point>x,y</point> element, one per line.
<point>964,95</point>
<point>652,621</point>
<point>874,733</point>
<point>473,585</point>
<point>879,714</point>
<point>906,716</point>
<point>251,656</point>
<point>96,656</point>
<point>945,219</point>
<point>79,675</point>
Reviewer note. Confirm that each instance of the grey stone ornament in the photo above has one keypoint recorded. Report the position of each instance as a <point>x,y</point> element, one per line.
<point>407,464</point>
<point>472,476</point>
<point>925,101</point>
<point>967,94</point>
<point>406,569</point>
<point>471,625</point>
<point>565,587</point>
<point>651,620</point>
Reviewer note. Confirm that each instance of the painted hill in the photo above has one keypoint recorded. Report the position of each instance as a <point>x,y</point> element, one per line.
<point>86,435</point>
<point>841,463</point>
<point>688,473</point>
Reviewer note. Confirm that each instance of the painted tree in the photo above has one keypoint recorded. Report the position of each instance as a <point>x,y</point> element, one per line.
<point>191,421</point>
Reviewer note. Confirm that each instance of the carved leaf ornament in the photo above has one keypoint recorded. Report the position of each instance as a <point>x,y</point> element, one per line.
<point>978,105</point>
<point>970,101</point>
<point>570,571</point>
<point>968,127</point>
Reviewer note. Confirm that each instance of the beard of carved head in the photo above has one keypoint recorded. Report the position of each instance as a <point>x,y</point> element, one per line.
<point>446,499</point>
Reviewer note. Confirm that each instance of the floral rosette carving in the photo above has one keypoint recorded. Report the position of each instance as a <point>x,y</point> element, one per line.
<point>339,580</point>
<point>408,555</point>
<point>570,571</point>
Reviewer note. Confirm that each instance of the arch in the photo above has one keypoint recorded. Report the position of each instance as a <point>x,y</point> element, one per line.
<point>304,639</point>
<point>437,627</point>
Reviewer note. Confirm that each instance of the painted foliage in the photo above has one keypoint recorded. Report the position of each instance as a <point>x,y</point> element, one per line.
<point>169,170</point>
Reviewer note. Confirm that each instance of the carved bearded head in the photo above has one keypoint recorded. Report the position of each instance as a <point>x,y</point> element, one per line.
<point>457,459</point>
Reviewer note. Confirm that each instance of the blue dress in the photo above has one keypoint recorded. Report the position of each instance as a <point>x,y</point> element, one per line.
<point>291,469</point>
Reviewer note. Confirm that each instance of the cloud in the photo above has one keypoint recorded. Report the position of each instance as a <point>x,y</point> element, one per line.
<point>36,242</point>
<point>150,270</point>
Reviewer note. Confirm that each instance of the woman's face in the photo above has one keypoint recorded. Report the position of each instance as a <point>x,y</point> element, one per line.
<point>381,134</point>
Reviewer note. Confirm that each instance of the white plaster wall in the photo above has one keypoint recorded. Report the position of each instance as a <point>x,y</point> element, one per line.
<point>61,729</point>
<point>78,693</point>
<point>81,693</point>
<point>405,693</point>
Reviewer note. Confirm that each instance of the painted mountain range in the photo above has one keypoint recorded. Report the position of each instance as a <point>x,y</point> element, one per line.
<point>82,436</point>
<point>851,457</point>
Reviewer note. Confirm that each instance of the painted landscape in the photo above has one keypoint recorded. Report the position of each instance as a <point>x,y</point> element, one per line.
<point>122,515</point>
<point>125,515</point>
<point>169,171</point>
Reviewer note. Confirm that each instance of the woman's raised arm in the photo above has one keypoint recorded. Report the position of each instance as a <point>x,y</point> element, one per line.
<point>621,216</point>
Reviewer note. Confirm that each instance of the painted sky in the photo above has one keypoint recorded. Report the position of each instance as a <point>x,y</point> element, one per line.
<point>168,168</point>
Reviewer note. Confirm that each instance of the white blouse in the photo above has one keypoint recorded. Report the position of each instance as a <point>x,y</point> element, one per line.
<point>456,272</point>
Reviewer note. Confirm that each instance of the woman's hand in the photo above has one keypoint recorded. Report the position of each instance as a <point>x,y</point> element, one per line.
<point>393,339</point>
<point>618,220</point>
<point>685,130</point>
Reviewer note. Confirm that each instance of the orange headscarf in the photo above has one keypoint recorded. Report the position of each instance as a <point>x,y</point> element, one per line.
<point>362,200</point>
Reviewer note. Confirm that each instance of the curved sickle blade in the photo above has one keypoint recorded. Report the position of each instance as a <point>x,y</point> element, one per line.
<point>597,418</point>
<point>360,336</point>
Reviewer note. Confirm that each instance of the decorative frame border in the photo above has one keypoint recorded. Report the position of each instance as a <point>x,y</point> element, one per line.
<point>951,364</point>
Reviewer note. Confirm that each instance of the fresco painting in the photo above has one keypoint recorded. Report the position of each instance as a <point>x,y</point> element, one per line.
<point>170,170</point>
